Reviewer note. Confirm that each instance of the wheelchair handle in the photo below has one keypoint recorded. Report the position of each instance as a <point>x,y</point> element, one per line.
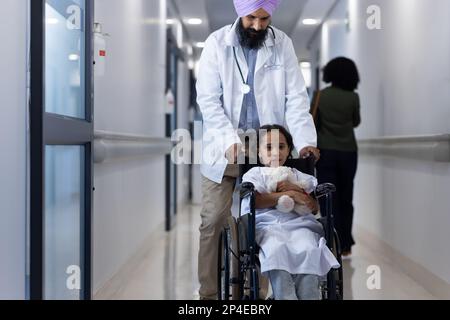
<point>248,186</point>
<point>247,189</point>
<point>310,157</point>
<point>324,189</point>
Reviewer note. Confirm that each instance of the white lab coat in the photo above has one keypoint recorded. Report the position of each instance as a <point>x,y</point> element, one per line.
<point>280,93</point>
<point>288,241</point>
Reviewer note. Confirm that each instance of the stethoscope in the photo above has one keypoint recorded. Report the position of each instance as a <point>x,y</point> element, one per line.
<point>245,87</point>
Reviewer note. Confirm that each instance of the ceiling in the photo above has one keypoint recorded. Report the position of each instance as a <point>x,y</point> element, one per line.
<point>288,17</point>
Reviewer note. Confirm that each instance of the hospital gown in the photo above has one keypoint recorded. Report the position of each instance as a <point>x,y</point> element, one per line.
<point>288,241</point>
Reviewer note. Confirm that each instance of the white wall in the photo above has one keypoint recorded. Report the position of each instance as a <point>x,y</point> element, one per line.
<point>405,71</point>
<point>13,47</point>
<point>129,195</point>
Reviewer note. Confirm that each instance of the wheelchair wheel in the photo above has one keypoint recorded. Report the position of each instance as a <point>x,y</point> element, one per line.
<point>339,276</point>
<point>223,278</point>
<point>223,274</point>
<point>335,275</point>
<point>235,264</point>
<point>228,264</point>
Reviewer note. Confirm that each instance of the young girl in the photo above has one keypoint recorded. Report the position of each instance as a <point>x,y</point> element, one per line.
<point>293,251</point>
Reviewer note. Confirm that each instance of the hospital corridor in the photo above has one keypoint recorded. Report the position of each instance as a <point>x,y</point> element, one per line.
<point>166,269</point>
<point>194,150</point>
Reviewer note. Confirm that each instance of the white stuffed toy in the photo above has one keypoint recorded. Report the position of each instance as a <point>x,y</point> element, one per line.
<point>285,203</point>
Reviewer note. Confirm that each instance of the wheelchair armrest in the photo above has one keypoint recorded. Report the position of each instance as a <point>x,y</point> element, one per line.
<point>248,185</point>
<point>324,189</point>
<point>247,188</point>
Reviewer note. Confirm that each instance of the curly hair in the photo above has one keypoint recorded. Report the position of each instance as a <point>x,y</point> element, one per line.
<point>342,73</point>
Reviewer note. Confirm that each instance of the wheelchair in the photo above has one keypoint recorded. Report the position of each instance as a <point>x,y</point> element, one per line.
<point>238,264</point>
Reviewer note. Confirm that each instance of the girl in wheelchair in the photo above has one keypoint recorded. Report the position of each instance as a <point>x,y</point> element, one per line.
<point>293,253</point>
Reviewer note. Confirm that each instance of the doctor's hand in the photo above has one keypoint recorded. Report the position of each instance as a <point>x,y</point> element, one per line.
<point>308,150</point>
<point>233,153</point>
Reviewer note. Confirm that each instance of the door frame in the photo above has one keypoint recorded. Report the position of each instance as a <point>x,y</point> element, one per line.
<point>51,129</point>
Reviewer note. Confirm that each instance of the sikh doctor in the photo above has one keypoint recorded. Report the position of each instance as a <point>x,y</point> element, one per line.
<point>249,76</point>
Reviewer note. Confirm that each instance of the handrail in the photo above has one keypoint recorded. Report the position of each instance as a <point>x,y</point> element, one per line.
<point>109,146</point>
<point>428,147</point>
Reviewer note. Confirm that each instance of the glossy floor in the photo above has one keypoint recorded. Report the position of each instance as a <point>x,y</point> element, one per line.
<point>168,270</point>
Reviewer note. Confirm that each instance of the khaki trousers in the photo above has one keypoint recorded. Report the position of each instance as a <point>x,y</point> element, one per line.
<point>216,208</point>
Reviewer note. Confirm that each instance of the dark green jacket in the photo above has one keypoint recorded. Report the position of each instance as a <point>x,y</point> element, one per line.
<point>338,115</point>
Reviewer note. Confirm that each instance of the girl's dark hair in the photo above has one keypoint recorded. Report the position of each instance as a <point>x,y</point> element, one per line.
<point>268,128</point>
<point>342,73</point>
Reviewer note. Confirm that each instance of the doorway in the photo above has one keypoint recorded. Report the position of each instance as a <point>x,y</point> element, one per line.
<point>61,133</point>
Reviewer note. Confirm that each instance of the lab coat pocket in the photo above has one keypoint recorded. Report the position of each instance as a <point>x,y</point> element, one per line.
<point>274,67</point>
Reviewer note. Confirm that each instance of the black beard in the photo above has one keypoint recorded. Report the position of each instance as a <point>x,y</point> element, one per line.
<point>250,38</point>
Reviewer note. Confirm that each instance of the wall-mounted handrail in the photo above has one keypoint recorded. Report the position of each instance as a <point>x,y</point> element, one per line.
<point>428,147</point>
<point>110,146</point>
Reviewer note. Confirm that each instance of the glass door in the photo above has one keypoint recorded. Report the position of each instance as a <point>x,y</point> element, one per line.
<point>61,126</point>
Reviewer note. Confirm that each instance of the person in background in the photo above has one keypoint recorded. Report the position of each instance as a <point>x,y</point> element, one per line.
<point>337,115</point>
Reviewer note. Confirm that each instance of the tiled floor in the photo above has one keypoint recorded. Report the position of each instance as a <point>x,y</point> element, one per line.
<point>169,270</point>
<point>362,268</point>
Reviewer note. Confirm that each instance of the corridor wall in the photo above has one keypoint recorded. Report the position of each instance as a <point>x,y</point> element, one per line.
<point>129,98</point>
<point>13,165</point>
<point>405,71</point>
